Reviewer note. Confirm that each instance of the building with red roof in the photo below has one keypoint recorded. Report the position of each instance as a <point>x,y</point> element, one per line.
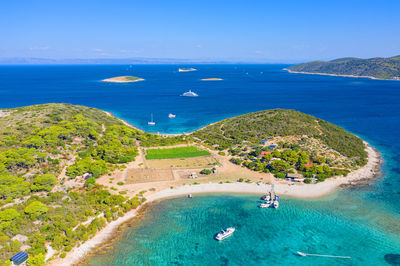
<point>263,153</point>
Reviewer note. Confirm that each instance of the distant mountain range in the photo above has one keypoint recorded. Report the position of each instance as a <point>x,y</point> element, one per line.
<point>379,68</point>
<point>103,61</point>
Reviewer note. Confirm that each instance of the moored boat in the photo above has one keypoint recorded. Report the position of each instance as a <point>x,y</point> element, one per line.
<point>225,233</point>
<point>275,204</point>
<point>264,205</point>
<point>190,93</point>
<point>186,69</point>
<point>151,123</point>
<point>171,116</point>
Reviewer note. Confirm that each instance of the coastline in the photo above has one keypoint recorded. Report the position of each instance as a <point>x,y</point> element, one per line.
<point>368,171</point>
<point>211,79</point>
<point>335,75</point>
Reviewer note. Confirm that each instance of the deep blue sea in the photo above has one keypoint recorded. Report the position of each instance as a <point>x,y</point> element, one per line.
<point>360,222</point>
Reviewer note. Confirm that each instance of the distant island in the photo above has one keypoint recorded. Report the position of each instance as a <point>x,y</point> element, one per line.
<point>123,79</point>
<point>375,68</point>
<point>211,79</point>
<point>187,69</point>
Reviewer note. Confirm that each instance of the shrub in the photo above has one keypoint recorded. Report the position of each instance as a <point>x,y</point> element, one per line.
<point>90,182</point>
<point>280,175</point>
<point>205,172</point>
<point>44,182</point>
<point>120,183</point>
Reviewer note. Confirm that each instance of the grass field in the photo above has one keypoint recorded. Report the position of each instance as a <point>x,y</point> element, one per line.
<point>172,153</point>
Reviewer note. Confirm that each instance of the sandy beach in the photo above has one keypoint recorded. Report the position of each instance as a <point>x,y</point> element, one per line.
<point>370,170</point>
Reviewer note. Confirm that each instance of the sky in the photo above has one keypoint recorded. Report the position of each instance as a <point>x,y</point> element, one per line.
<point>252,30</point>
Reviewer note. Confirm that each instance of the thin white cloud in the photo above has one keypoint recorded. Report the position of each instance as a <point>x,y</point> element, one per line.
<point>98,50</point>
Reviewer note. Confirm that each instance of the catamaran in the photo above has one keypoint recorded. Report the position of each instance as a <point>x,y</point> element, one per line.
<point>225,233</point>
<point>151,123</point>
<point>190,93</point>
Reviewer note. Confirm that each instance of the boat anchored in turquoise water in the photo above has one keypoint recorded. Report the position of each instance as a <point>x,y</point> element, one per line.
<point>275,204</point>
<point>269,203</point>
<point>225,233</point>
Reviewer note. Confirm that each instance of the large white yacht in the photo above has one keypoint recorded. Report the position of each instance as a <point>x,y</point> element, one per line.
<point>225,233</point>
<point>190,93</point>
<point>186,69</point>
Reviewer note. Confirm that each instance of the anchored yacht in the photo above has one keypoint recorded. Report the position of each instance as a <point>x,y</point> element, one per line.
<point>190,93</point>
<point>171,116</point>
<point>225,233</point>
<point>151,123</point>
<point>186,69</point>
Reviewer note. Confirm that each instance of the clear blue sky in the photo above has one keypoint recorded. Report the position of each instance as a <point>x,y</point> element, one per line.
<point>252,30</point>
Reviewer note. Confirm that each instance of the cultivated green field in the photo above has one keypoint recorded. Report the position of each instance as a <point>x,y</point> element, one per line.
<point>180,152</point>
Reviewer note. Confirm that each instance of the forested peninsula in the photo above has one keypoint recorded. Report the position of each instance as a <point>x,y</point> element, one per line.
<point>61,165</point>
<point>376,68</point>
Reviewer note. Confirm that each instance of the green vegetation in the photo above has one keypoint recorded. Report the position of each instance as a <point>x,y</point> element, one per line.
<point>179,152</point>
<point>206,172</point>
<point>39,142</point>
<point>305,144</point>
<point>57,219</point>
<point>381,68</point>
<point>36,143</point>
<point>132,78</point>
<point>153,140</point>
<point>254,127</point>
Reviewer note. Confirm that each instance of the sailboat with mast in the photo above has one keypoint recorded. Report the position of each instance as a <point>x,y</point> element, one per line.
<point>151,123</point>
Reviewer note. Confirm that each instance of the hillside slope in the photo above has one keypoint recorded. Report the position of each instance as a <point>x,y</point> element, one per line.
<point>380,68</point>
<point>254,127</point>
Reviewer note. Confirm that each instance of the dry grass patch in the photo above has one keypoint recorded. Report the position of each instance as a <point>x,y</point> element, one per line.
<point>194,162</point>
<point>148,175</point>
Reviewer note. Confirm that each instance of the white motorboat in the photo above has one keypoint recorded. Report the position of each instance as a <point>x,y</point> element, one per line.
<point>225,233</point>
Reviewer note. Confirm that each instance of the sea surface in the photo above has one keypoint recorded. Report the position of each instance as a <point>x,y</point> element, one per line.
<point>362,222</point>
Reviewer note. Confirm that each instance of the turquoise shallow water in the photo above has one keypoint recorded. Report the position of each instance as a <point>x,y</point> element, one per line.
<point>180,232</point>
